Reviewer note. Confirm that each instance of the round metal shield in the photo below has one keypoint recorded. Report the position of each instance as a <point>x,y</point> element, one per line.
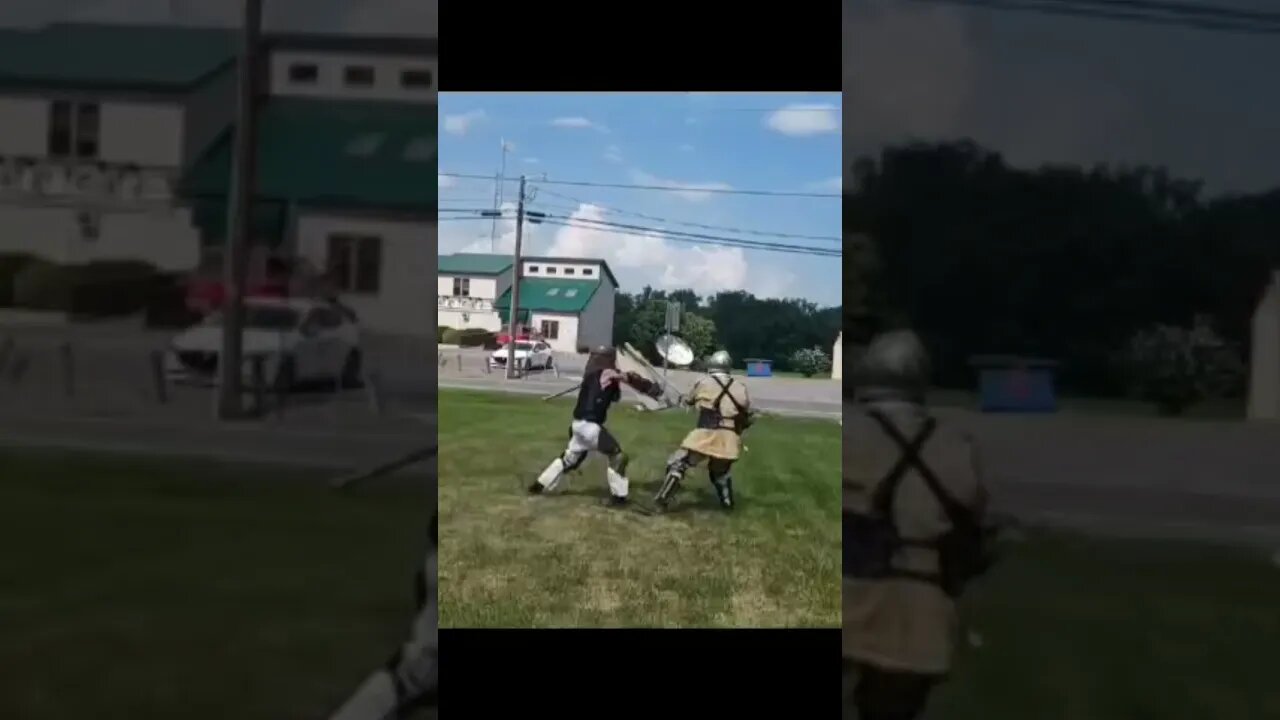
<point>676,351</point>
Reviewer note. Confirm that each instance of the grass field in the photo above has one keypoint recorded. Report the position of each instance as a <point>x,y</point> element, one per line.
<point>563,560</point>
<point>1080,629</point>
<point>158,589</point>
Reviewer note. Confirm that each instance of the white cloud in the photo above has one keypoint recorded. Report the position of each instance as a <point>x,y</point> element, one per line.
<point>692,191</point>
<point>651,258</point>
<point>461,123</point>
<point>613,154</point>
<point>578,123</point>
<point>446,181</point>
<point>803,120</point>
<point>399,17</point>
<point>639,258</point>
<point>835,184</point>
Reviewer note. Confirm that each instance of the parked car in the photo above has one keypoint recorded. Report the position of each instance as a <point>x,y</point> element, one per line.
<point>529,355</point>
<point>300,340</point>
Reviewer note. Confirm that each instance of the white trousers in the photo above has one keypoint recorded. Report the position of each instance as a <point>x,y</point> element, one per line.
<point>585,437</point>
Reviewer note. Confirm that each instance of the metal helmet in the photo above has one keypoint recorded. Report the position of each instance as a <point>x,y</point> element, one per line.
<point>894,365</point>
<point>602,357</point>
<point>719,362</point>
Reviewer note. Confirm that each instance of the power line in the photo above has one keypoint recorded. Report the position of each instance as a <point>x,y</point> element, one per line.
<point>695,238</point>
<point>1168,14</point>
<point>758,233</point>
<point>664,188</point>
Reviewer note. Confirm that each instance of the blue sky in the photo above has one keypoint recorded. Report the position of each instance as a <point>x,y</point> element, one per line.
<point>686,142</point>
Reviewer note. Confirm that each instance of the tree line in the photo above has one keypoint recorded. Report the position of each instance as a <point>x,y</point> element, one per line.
<point>1062,262</point>
<point>739,322</point>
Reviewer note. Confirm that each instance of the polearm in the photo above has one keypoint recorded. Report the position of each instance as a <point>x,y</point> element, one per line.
<point>386,468</point>
<point>562,393</point>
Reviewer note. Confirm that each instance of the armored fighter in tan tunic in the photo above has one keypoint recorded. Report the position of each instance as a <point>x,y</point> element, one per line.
<point>913,533</point>
<point>724,413</point>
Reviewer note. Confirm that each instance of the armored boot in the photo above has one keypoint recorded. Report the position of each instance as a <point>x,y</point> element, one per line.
<point>723,485</point>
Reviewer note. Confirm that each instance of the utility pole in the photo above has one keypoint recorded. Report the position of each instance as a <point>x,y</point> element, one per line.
<point>497,197</point>
<point>515,286</point>
<point>239,217</point>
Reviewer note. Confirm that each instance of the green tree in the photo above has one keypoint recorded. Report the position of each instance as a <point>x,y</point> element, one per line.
<point>700,333</point>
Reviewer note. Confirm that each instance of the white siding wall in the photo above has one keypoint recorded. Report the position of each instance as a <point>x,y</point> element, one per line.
<point>208,111</point>
<point>24,126</point>
<point>569,339</point>
<point>332,67</point>
<point>597,318</point>
<point>146,134</point>
<point>409,260</point>
<point>560,267</point>
<point>454,319</point>
<point>481,287</point>
<point>165,239</point>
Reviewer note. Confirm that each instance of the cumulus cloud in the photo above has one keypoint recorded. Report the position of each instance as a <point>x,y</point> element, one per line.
<point>834,184</point>
<point>639,258</point>
<point>461,123</point>
<point>799,120</point>
<point>696,192</point>
<point>613,154</point>
<point>413,17</point>
<point>578,123</point>
<point>650,256</point>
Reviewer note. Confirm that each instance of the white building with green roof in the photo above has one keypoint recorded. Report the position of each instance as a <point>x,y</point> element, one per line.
<point>569,302</point>
<point>117,141</point>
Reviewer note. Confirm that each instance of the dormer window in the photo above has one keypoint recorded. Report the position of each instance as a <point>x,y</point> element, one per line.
<point>304,73</point>
<point>359,76</point>
<point>416,79</point>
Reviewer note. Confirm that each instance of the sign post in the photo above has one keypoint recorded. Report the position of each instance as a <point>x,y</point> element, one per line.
<point>672,325</point>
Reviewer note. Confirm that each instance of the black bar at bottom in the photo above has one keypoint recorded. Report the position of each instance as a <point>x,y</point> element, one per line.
<point>760,673</point>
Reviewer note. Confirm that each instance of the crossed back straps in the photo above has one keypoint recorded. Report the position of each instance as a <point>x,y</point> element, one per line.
<point>910,459</point>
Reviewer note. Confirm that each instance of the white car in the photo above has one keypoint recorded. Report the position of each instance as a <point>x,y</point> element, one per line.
<point>299,340</point>
<point>529,355</point>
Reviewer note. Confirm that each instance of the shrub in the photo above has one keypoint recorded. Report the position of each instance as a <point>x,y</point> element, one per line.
<point>810,361</point>
<point>10,265</point>
<point>441,332</point>
<point>98,289</point>
<point>1176,367</point>
<point>43,286</point>
<point>114,288</point>
<point>476,337</point>
<point>450,336</point>
<point>167,305</point>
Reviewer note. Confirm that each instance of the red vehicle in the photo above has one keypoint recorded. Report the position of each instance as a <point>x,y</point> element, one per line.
<point>523,333</point>
<point>270,277</point>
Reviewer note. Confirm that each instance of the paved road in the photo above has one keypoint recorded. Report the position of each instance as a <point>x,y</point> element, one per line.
<point>1151,477</point>
<point>544,387</point>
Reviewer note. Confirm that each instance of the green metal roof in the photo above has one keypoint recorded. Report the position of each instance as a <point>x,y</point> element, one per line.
<point>148,58</point>
<point>334,153</point>
<point>474,264</point>
<point>552,295</point>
